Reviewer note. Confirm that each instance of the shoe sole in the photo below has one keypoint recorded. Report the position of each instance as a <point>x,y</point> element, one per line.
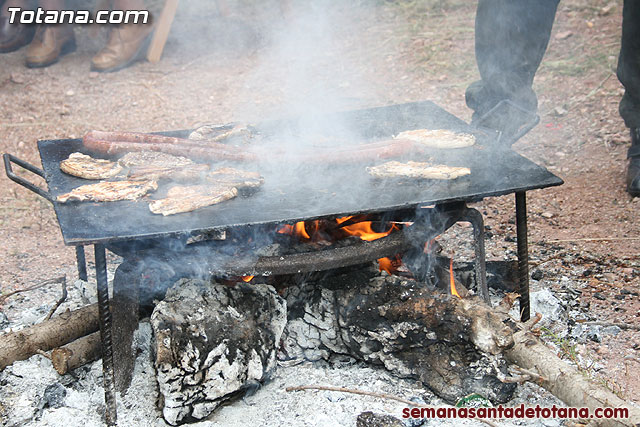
<point>67,48</point>
<point>136,57</point>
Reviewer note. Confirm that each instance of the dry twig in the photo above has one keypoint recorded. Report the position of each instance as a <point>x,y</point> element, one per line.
<point>594,239</point>
<point>60,279</point>
<point>619,325</point>
<point>62,299</point>
<point>370,393</point>
<point>533,375</point>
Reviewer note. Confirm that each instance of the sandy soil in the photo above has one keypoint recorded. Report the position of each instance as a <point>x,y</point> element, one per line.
<point>218,69</point>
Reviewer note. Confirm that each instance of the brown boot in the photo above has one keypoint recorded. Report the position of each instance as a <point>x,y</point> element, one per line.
<point>127,44</point>
<point>49,43</point>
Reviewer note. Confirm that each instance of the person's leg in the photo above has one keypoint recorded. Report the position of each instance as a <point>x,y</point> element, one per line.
<point>629,76</point>
<point>14,36</point>
<point>126,43</point>
<point>510,40</point>
<point>50,41</point>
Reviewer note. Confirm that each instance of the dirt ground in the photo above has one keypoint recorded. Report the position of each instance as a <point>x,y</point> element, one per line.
<point>217,69</point>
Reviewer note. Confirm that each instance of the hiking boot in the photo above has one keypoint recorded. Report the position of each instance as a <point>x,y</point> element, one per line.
<point>49,44</point>
<point>127,44</point>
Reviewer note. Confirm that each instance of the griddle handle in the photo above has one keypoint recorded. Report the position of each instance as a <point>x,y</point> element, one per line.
<point>8,159</point>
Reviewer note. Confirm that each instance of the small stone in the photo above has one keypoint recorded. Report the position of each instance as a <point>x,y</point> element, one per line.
<point>560,111</point>
<point>70,92</point>
<point>537,274</point>
<point>624,291</point>
<point>599,296</point>
<point>18,78</point>
<point>93,74</point>
<point>509,239</point>
<point>611,330</point>
<point>562,35</point>
<point>620,297</point>
<point>371,419</point>
<point>607,9</point>
<point>54,396</point>
<point>547,215</point>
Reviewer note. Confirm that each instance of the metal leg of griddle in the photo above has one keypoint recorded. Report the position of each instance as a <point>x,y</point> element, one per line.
<point>82,263</point>
<point>105,335</point>
<point>476,220</point>
<point>523,254</point>
<point>124,311</point>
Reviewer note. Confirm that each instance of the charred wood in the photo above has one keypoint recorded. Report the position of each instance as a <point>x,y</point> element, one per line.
<point>412,329</point>
<point>213,342</point>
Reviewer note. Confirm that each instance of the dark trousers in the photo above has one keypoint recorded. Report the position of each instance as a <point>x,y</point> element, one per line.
<point>629,64</point>
<point>511,38</point>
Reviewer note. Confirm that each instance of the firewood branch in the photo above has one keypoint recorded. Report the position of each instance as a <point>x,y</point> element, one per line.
<point>60,279</point>
<point>62,299</point>
<point>373,394</point>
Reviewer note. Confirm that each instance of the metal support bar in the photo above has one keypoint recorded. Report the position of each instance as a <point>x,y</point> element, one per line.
<point>523,254</point>
<point>124,310</point>
<point>476,220</point>
<point>105,335</point>
<point>82,263</point>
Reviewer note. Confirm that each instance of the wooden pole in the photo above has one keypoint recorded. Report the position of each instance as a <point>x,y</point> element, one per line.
<point>163,26</point>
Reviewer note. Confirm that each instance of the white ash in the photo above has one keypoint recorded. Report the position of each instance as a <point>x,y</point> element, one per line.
<point>24,400</point>
<point>21,310</point>
<point>552,309</point>
<point>225,345</point>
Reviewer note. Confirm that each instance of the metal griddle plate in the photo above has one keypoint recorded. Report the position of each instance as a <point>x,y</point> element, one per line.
<point>337,191</point>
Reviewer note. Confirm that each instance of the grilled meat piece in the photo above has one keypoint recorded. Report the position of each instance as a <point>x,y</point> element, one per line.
<point>187,198</point>
<point>153,159</point>
<point>188,173</point>
<point>217,133</point>
<point>438,138</point>
<point>107,191</point>
<point>236,177</point>
<point>87,167</point>
<point>417,170</point>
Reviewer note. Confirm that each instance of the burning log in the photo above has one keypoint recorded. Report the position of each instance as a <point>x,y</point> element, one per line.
<point>44,336</point>
<point>413,329</point>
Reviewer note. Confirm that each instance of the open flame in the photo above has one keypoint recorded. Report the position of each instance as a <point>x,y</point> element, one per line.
<point>452,281</point>
<point>331,231</point>
<point>247,278</point>
<point>320,230</point>
<point>390,265</point>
